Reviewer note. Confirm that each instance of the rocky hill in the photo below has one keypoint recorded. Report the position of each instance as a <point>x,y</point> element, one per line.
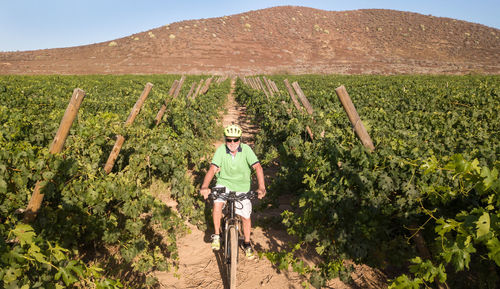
<point>284,39</point>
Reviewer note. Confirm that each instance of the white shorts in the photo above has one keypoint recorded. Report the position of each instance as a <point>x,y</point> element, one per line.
<point>242,208</point>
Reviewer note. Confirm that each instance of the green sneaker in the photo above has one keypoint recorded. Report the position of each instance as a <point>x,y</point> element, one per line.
<point>215,242</point>
<point>248,252</point>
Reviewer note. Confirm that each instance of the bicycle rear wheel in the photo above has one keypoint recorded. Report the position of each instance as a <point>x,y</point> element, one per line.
<point>233,253</point>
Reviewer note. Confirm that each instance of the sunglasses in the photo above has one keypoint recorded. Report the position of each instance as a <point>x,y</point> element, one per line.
<point>232,139</point>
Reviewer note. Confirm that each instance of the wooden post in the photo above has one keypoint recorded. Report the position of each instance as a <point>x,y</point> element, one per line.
<point>178,88</point>
<point>255,84</point>
<point>173,88</point>
<point>297,105</point>
<point>273,84</point>
<point>67,120</point>
<point>266,82</point>
<point>163,108</point>
<point>206,86</point>
<point>420,242</point>
<point>358,126</point>
<point>261,85</point>
<point>191,90</point>
<point>423,250</point>
<point>114,153</point>
<point>292,95</point>
<point>304,101</point>
<point>138,104</point>
<point>119,138</point>
<point>271,88</point>
<point>160,113</point>
<point>56,147</point>
<point>198,88</point>
<point>302,98</point>
<point>222,78</point>
<point>252,83</point>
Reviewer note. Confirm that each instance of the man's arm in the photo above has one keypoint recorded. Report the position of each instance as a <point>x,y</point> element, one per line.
<point>260,179</point>
<point>205,191</point>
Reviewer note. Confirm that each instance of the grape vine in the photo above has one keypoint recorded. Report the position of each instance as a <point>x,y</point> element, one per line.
<point>362,206</point>
<point>115,220</point>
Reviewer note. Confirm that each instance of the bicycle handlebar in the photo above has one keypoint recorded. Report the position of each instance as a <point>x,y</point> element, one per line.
<point>231,195</point>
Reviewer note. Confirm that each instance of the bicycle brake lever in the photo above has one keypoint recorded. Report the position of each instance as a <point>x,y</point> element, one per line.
<point>216,192</point>
<point>252,195</point>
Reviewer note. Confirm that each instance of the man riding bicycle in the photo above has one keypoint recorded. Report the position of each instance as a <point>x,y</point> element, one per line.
<point>231,165</point>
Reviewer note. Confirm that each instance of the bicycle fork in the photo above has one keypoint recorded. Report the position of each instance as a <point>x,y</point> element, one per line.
<point>231,221</point>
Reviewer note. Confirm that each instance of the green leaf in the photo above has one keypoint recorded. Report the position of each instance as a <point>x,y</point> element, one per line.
<point>445,226</point>
<point>385,182</point>
<point>58,252</point>
<point>494,250</point>
<point>34,251</point>
<point>483,225</point>
<point>3,186</point>
<point>66,275</point>
<point>426,270</point>
<point>489,177</point>
<point>320,249</point>
<point>12,274</point>
<point>24,233</point>
<point>316,280</point>
<point>302,202</point>
<point>299,267</point>
<point>75,267</point>
<point>459,257</point>
<point>311,236</point>
<point>441,274</point>
<point>15,255</point>
<point>416,260</point>
<point>404,282</point>
<point>48,175</point>
<point>430,165</point>
<point>462,166</point>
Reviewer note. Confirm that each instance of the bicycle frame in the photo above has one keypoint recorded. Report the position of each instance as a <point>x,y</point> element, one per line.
<point>230,220</point>
<point>231,225</point>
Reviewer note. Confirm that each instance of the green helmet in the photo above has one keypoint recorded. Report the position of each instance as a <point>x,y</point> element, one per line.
<point>232,131</point>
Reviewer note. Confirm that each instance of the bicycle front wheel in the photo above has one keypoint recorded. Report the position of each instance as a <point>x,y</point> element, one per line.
<point>233,239</point>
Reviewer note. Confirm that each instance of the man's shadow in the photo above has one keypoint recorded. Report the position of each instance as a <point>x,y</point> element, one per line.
<point>221,263</point>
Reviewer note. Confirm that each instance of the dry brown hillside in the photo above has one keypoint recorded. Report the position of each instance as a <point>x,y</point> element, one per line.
<point>283,39</point>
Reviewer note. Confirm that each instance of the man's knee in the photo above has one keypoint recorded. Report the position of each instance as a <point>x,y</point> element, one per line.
<point>217,207</point>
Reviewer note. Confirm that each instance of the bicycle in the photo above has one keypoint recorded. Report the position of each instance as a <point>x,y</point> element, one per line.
<point>230,226</point>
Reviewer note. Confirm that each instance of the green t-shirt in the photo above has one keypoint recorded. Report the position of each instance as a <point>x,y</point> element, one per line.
<point>234,170</point>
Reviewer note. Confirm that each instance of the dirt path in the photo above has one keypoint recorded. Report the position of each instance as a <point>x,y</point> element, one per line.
<point>200,267</point>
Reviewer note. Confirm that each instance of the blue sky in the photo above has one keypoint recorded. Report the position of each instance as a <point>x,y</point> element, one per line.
<point>40,24</point>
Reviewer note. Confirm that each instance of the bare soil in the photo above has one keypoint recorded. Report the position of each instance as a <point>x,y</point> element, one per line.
<point>281,40</point>
<point>200,267</point>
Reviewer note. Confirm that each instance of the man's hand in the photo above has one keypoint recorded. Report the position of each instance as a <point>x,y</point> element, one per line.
<point>205,192</point>
<point>260,179</point>
<point>261,193</point>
